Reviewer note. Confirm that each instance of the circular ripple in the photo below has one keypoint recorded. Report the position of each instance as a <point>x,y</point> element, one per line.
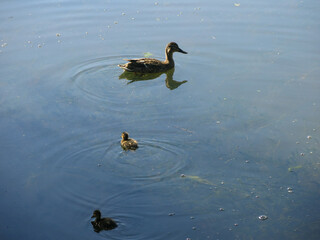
<point>135,214</point>
<point>84,174</point>
<point>98,81</point>
<point>153,160</point>
<point>78,175</point>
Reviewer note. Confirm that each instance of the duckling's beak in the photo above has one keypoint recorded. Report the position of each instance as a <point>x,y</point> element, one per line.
<point>180,50</point>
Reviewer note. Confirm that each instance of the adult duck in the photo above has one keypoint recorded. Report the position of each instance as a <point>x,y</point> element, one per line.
<point>151,65</point>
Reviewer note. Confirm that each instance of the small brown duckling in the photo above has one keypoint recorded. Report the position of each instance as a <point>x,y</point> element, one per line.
<point>102,223</point>
<point>128,143</point>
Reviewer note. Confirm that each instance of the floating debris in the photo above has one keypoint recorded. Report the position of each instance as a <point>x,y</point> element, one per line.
<point>147,54</point>
<point>39,45</point>
<point>290,190</point>
<point>309,137</point>
<point>115,22</point>
<point>194,228</point>
<point>58,34</point>
<point>291,169</point>
<point>197,179</point>
<point>301,154</point>
<point>247,161</point>
<point>236,224</point>
<point>4,44</point>
<point>156,3</point>
<point>171,214</point>
<point>123,14</point>
<point>221,209</point>
<point>237,4</point>
<point>218,122</point>
<point>191,217</point>
<point>263,217</point>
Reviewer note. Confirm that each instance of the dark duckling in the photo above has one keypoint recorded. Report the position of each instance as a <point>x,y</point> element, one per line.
<point>128,143</point>
<point>102,223</point>
<point>151,65</point>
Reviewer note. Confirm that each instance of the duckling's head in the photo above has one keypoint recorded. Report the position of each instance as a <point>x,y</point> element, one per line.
<point>173,47</point>
<point>96,214</point>
<point>125,136</point>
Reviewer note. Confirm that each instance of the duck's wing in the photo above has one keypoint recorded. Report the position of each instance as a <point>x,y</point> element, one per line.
<point>129,144</point>
<point>141,65</point>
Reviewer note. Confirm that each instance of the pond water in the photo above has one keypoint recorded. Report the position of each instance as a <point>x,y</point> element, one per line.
<point>231,134</point>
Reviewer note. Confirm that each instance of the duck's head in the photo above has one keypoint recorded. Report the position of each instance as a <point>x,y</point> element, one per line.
<point>173,47</point>
<point>96,214</point>
<point>125,136</point>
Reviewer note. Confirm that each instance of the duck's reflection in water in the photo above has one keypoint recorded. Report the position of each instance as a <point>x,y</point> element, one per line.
<point>135,77</point>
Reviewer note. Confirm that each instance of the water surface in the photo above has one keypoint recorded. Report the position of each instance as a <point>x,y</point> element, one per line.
<point>239,117</point>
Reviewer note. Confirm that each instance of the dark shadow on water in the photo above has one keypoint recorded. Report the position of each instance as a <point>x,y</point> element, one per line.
<point>135,77</point>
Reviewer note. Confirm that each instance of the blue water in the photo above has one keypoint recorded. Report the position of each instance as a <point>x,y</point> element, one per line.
<point>238,117</point>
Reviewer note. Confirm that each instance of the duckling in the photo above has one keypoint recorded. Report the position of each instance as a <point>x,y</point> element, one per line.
<point>128,143</point>
<point>150,65</point>
<point>102,223</point>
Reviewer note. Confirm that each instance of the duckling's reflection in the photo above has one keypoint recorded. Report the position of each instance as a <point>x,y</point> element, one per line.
<point>135,77</point>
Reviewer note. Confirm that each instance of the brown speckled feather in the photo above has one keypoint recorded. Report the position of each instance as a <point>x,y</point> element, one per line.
<point>145,65</point>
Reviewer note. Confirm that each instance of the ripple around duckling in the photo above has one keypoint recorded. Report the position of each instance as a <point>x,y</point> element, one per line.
<point>135,214</point>
<point>98,81</point>
<point>83,174</point>
<point>153,160</point>
<point>78,171</point>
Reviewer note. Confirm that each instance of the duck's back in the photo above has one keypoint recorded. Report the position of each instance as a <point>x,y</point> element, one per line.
<point>129,144</point>
<point>108,223</point>
<point>145,65</point>
<point>104,224</point>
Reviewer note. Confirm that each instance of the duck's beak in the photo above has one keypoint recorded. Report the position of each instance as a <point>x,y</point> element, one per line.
<point>180,50</point>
